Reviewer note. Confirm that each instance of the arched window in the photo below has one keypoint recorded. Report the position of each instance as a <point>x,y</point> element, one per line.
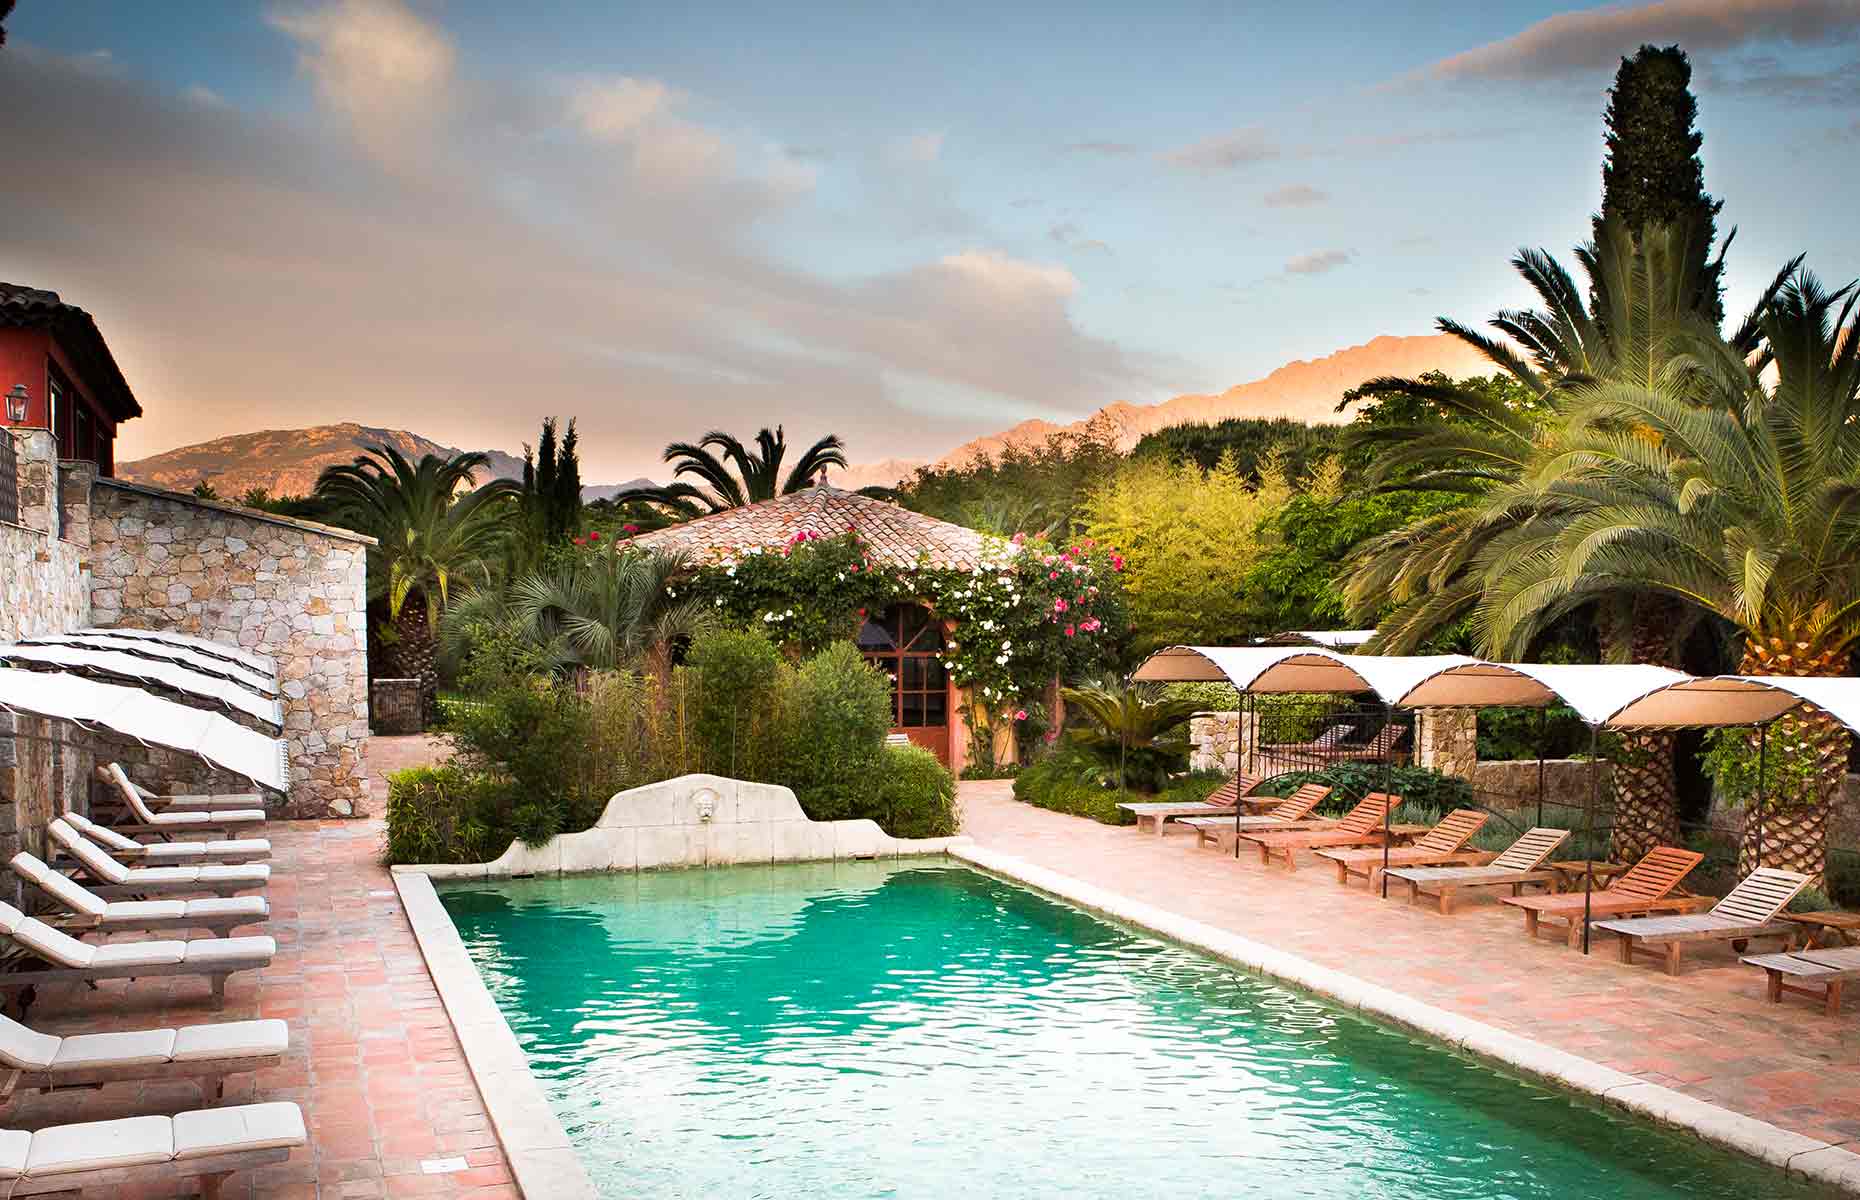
<point>903,642</point>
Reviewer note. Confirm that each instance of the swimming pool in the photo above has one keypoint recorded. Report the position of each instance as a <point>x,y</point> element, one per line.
<point>917,1030</point>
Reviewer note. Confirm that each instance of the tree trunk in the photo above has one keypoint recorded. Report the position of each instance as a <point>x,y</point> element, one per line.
<point>1791,831</point>
<point>414,653</point>
<point>1646,785</point>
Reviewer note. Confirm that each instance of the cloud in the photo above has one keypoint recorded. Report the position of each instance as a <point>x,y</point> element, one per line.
<point>612,110</point>
<point>1068,234</point>
<point>1107,149</point>
<point>1595,39</point>
<point>1240,148</point>
<point>918,148</point>
<point>1297,195</point>
<point>253,272</point>
<point>374,62</point>
<point>204,96</point>
<point>1318,262</point>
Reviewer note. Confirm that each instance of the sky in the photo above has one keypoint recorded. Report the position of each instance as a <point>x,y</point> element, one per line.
<point>906,224</point>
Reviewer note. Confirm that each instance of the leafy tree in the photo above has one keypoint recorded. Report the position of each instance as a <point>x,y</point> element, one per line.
<point>204,491</point>
<point>1037,490</point>
<point>1296,447</point>
<point>428,537</point>
<point>1652,173</point>
<point>1189,538</point>
<point>1724,493</point>
<point>6,10</point>
<point>735,475</point>
<point>551,493</point>
<point>1131,735</point>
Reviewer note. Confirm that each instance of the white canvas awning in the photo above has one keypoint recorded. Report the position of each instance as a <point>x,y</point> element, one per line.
<point>1741,700</point>
<point>1596,692</point>
<point>193,660</point>
<point>1273,669</point>
<point>236,654</point>
<point>1330,639</point>
<point>135,713</point>
<point>167,674</point>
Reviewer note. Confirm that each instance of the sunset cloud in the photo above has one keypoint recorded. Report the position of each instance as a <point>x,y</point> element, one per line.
<point>1318,262</point>
<point>1224,152</point>
<point>1296,195</point>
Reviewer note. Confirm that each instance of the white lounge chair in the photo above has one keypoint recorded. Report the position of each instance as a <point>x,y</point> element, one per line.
<point>208,1145</point>
<point>116,881</point>
<point>219,915</point>
<point>193,802</point>
<point>169,823</point>
<point>41,1062</point>
<point>68,959</point>
<point>129,850</point>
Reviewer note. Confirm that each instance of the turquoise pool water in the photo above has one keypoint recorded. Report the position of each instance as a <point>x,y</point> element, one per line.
<point>871,1030</point>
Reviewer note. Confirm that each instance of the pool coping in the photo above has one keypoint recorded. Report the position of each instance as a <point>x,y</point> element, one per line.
<point>1808,1158</point>
<point>543,1162</point>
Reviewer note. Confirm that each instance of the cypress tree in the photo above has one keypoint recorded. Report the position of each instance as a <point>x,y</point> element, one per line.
<point>565,504</point>
<point>546,467</point>
<point>1652,171</point>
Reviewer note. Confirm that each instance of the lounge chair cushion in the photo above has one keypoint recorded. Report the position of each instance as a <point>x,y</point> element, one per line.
<point>15,1144</point>
<point>256,907</point>
<point>206,818</point>
<point>220,873</point>
<point>243,1127</point>
<point>53,945</point>
<point>231,1039</point>
<point>206,951</point>
<point>10,918</point>
<point>71,895</point>
<point>102,834</point>
<point>138,954</point>
<point>128,912</point>
<point>99,1145</point>
<point>162,875</point>
<point>95,861</point>
<point>133,1048</point>
<point>25,1049</point>
<point>173,852</point>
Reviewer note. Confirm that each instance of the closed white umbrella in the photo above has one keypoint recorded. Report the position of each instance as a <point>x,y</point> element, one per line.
<point>193,660</point>
<point>167,674</point>
<point>237,654</point>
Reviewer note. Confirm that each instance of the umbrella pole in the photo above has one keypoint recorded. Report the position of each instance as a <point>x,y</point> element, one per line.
<point>1588,860</point>
<point>1388,808</point>
<point>1763,783</point>
<point>1246,708</point>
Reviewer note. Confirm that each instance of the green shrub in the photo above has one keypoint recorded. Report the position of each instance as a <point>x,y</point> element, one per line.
<point>835,715</point>
<point>1068,782</point>
<point>916,795</point>
<point>736,712</point>
<point>445,814</point>
<point>1420,788</point>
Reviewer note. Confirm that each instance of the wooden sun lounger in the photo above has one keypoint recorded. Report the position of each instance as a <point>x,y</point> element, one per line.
<point>169,823</point>
<point>1749,911</point>
<point>1222,800</point>
<point>168,854</point>
<point>1829,968</point>
<point>1644,890</point>
<point>115,881</point>
<point>33,1061</point>
<point>1520,864</point>
<point>1293,812</point>
<point>105,1157</point>
<point>1361,826</point>
<point>1442,845</point>
<point>218,915</point>
<point>70,960</point>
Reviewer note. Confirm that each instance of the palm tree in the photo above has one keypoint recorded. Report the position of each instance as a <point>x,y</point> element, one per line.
<point>609,610</point>
<point>1133,736</point>
<point>1739,498</point>
<point>757,474</point>
<point>1436,570</point>
<point>428,538</point>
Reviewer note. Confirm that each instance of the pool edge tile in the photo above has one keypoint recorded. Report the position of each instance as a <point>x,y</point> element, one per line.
<point>542,1161</point>
<point>1792,1152</point>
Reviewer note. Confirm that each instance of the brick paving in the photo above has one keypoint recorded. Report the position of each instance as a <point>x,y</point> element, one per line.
<point>373,1062</point>
<point>1708,1032</point>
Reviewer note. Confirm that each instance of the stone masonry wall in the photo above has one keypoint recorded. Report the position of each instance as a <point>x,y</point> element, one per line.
<point>294,590</point>
<point>1447,740</point>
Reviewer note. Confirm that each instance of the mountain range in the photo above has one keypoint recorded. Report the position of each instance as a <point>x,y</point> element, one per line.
<point>286,462</point>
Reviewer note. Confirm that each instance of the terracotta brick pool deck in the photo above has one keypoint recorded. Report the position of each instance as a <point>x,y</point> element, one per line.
<point>1708,1032</point>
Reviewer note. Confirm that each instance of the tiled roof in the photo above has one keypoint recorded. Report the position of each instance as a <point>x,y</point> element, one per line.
<point>894,535</point>
<point>23,307</point>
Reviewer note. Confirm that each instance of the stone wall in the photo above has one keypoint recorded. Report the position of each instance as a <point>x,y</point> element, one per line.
<point>294,590</point>
<point>1447,740</point>
<point>1513,784</point>
<point>43,586</point>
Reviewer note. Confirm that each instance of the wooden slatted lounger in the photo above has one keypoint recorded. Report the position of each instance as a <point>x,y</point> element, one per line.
<point>217,915</point>
<point>109,1156</point>
<point>1361,826</point>
<point>1830,968</point>
<point>1293,812</point>
<point>168,854</point>
<point>169,823</point>
<point>70,960</point>
<point>1221,801</point>
<point>1442,845</point>
<point>116,881</point>
<point>1520,864</point>
<point>40,1062</point>
<point>1645,888</point>
<point>1750,911</point>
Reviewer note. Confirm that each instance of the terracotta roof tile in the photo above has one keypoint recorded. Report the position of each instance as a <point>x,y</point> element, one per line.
<point>896,536</point>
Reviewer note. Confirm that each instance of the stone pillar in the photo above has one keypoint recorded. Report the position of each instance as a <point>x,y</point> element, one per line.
<point>1214,742</point>
<point>38,479</point>
<point>74,501</point>
<point>1447,740</point>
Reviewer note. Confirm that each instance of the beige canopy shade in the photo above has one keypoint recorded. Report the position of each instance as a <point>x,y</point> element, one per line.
<point>1596,692</point>
<point>163,674</point>
<point>135,713</point>
<point>193,660</point>
<point>1260,669</point>
<point>1740,700</point>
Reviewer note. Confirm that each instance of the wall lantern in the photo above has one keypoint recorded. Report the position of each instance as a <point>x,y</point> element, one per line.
<point>16,401</point>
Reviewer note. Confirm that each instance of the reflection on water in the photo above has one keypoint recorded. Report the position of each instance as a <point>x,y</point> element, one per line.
<point>866,1029</point>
